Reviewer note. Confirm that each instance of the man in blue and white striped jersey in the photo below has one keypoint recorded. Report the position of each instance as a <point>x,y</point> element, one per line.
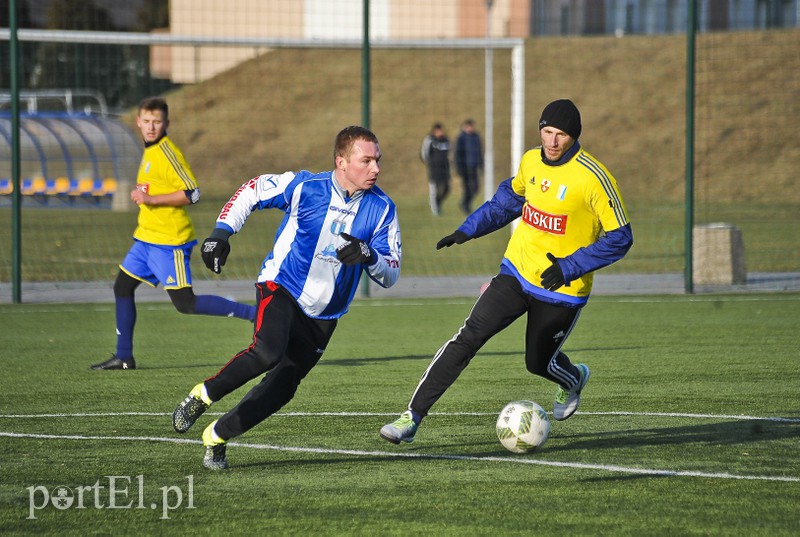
<point>337,224</point>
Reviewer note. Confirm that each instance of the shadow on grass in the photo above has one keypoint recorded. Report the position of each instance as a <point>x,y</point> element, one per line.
<point>716,434</point>
<point>722,433</point>
<point>332,361</point>
<point>482,354</point>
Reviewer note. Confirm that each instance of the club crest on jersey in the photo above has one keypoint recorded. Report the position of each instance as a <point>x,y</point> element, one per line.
<point>550,223</point>
<point>338,227</point>
<point>545,185</point>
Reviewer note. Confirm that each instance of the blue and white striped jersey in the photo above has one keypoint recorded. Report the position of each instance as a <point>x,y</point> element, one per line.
<point>303,257</point>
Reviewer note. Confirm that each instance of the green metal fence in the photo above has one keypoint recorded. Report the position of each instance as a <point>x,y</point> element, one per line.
<point>279,108</point>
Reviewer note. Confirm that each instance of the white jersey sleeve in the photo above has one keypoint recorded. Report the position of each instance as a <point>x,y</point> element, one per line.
<point>388,245</point>
<point>264,191</point>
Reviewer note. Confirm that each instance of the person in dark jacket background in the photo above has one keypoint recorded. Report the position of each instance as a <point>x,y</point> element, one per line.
<point>469,162</point>
<point>435,153</point>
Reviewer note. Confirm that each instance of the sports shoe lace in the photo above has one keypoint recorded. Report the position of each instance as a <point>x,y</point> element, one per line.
<point>404,421</point>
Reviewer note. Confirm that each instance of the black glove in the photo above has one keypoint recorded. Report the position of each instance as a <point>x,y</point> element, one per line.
<point>216,249</point>
<point>553,276</point>
<point>354,251</point>
<point>457,237</point>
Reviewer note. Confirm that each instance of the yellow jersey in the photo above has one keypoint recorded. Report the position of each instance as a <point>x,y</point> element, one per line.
<point>566,208</point>
<point>164,170</point>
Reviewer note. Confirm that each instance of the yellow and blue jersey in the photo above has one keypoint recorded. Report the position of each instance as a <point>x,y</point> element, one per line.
<point>572,209</point>
<point>164,170</point>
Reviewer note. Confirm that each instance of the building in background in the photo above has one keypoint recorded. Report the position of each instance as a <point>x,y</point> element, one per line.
<point>625,17</point>
<point>411,19</point>
<point>444,19</point>
<point>327,19</point>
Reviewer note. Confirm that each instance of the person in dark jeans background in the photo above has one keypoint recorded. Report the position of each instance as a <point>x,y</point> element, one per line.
<point>469,162</point>
<point>435,153</point>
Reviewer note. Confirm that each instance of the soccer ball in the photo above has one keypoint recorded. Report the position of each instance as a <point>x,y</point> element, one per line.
<point>522,426</point>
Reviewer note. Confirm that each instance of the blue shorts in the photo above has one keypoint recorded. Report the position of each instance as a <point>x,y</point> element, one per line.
<point>156,263</point>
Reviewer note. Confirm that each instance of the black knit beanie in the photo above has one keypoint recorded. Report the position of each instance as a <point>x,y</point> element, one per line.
<point>563,115</point>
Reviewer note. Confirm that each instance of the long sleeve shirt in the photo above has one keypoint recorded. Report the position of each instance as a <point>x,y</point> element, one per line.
<point>303,257</point>
<point>572,209</point>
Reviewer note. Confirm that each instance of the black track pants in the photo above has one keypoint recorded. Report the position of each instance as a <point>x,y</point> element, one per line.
<point>501,304</point>
<point>286,345</point>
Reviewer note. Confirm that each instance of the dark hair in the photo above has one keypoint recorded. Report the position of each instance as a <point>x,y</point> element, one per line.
<point>155,103</point>
<point>347,137</point>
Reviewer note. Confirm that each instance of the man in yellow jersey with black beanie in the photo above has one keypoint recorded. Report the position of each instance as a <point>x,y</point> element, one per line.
<point>573,222</point>
<point>164,237</point>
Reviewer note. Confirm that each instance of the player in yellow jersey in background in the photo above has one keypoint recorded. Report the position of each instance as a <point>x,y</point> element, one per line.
<point>164,237</point>
<point>573,222</point>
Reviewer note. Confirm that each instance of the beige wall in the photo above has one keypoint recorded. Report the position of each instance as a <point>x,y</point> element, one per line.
<point>230,18</point>
<point>161,58</point>
<point>273,18</point>
<point>458,18</point>
<point>424,19</point>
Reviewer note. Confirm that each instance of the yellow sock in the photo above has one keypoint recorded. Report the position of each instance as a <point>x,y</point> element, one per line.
<point>210,436</point>
<point>200,391</point>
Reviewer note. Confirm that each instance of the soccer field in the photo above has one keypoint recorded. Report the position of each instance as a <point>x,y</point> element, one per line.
<point>690,424</point>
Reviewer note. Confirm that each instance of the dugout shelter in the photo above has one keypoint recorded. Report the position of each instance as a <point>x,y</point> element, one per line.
<point>70,158</point>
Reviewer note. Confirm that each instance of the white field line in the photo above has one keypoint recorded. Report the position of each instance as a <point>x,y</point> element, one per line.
<point>378,414</point>
<point>401,455</point>
<point>359,453</point>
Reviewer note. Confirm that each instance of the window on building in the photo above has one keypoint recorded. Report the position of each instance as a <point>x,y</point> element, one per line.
<point>595,18</point>
<point>672,19</point>
<point>786,10</point>
<point>775,13</point>
<point>538,22</point>
<point>630,20</point>
<point>717,14</point>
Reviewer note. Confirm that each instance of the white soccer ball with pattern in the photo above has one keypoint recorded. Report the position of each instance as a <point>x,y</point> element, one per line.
<point>522,426</point>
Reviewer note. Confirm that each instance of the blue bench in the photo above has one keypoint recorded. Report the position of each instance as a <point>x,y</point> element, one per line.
<point>68,190</point>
